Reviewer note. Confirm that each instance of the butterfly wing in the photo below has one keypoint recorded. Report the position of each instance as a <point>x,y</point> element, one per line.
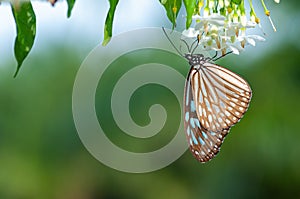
<point>221,97</point>
<point>204,144</point>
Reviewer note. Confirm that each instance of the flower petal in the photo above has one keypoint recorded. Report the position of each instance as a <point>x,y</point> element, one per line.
<point>250,41</point>
<point>216,16</point>
<point>191,32</point>
<point>197,17</point>
<point>199,26</point>
<point>256,37</point>
<point>234,50</point>
<point>216,22</point>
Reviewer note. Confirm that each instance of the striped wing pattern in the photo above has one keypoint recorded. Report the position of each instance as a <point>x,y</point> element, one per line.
<point>222,97</point>
<point>215,99</point>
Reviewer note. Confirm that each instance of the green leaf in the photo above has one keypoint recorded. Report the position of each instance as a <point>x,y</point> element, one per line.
<point>172,8</point>
<point>109,21</point>
<point>70,6</point>
<point>190,6</point>
<point>237,2</point>
<point>26,28</point>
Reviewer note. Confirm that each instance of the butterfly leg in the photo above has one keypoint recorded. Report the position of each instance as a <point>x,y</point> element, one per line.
<point>215,55</point>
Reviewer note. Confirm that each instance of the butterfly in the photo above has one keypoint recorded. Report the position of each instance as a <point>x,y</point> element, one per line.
<point>215,99</point>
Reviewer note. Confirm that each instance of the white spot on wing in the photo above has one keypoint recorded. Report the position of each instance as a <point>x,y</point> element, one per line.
<point>204,112</point>
<point>203,87</point>
<point>216,108</point>
<point>209,118</point>
<point>227,113</point>
<point>187,93</point>
<point>220,119</point>
<point>232,104</point>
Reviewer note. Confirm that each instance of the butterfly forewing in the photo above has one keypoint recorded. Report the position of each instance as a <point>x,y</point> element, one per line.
<point>204,144</point>
<point>221,96</point>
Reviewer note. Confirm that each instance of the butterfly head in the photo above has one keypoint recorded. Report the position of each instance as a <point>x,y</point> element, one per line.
<point>196,59</point>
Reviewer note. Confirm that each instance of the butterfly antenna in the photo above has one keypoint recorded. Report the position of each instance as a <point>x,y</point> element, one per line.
<point>194,43</point>
<point>195,46</point>
<point>172,42</point>
<point>186,44</point>
<point>221,56</point>
<point>198,41</point>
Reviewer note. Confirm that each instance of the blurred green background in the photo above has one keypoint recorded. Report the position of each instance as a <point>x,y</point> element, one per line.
<point>41,155</point>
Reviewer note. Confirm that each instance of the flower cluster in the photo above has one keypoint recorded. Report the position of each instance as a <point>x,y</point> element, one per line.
<point>221,25</point>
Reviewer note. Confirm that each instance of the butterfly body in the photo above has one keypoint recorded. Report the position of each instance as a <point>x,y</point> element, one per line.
<point>215,99</point>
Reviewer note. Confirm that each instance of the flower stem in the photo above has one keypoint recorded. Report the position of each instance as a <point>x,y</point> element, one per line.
<point>267,12</point>
<point>242,7</point>
<point>253,12</point>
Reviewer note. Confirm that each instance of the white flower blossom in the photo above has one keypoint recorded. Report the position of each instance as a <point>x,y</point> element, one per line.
<point>191,33</point>
<point>223,27</point>
<point>251,39</point>
<point>219,35</point>
<point>215,19</point>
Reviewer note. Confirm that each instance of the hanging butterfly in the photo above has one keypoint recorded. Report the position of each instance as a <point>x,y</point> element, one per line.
<point>214,100</point>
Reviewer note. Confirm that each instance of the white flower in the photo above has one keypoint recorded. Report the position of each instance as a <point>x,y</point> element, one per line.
<point>191,33</point>
<point>235,48</point>
<point>225,30</point>
<point>277,1</point>
<point>215,19</point>
<point>251,39</point>
<point>245,24</point>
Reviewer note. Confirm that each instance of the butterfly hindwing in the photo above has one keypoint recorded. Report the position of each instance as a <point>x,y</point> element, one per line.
<point>204,144</point>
